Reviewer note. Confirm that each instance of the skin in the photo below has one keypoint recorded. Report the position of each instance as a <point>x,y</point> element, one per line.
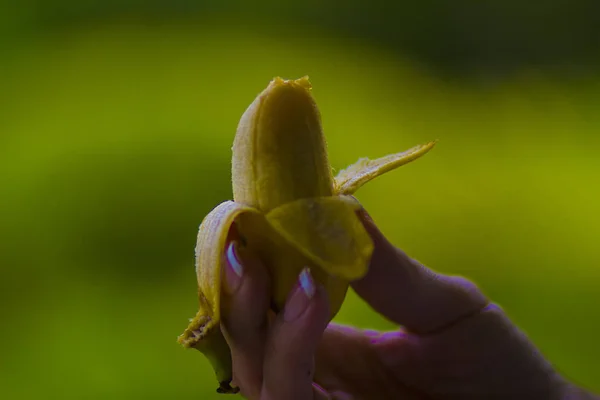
<point>454,343</point>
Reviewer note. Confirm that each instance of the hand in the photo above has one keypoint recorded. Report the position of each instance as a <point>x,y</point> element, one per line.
<point>454,344</point>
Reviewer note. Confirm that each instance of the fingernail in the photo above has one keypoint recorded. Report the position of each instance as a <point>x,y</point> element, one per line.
<point>234,269</point>
<point>300,299</point>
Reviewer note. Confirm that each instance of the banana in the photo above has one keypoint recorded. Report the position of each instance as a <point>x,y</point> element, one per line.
<point>288,208</point>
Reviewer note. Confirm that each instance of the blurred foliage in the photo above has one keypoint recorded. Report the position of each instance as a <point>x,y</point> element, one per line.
<point>461,37</point>
<point>115,142</point>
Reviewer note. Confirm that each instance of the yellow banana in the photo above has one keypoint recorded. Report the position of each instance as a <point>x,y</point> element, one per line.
<point>288,208</point>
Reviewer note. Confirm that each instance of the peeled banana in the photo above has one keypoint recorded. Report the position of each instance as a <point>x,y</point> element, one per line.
<point>289,208</point>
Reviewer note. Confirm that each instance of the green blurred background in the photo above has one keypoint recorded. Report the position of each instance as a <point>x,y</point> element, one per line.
<point>116,123</point>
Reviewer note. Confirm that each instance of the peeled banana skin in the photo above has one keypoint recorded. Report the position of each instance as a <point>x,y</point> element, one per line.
<point>288,208</point>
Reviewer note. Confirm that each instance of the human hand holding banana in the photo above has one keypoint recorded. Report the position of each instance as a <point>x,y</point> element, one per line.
<point>453,343</point>
<point>274,265</point>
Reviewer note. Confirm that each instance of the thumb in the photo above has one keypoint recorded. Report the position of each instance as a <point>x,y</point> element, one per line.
<point>411,294</point>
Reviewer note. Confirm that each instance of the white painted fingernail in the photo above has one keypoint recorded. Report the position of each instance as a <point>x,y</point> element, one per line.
<point>234,260</point>
<point>234,269</point>
<point>300,298</point>
<point>307,283</point>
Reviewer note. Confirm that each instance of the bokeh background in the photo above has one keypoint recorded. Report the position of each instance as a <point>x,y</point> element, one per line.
<point>116,123</point>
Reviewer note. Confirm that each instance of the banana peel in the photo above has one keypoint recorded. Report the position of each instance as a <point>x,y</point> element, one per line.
<point>288,208</point>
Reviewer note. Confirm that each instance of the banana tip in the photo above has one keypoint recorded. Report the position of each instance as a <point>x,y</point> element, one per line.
<point>303,82</point>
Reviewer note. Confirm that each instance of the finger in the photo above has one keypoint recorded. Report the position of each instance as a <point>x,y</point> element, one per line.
<point>342,354</point>
<point>245,306</point>
<point>348,361</point>
<point>345,363</point>
<point>289,355</point>
<point>411,294</point>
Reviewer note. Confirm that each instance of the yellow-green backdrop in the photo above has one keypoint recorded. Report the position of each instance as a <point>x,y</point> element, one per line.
<point>115,141</point>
